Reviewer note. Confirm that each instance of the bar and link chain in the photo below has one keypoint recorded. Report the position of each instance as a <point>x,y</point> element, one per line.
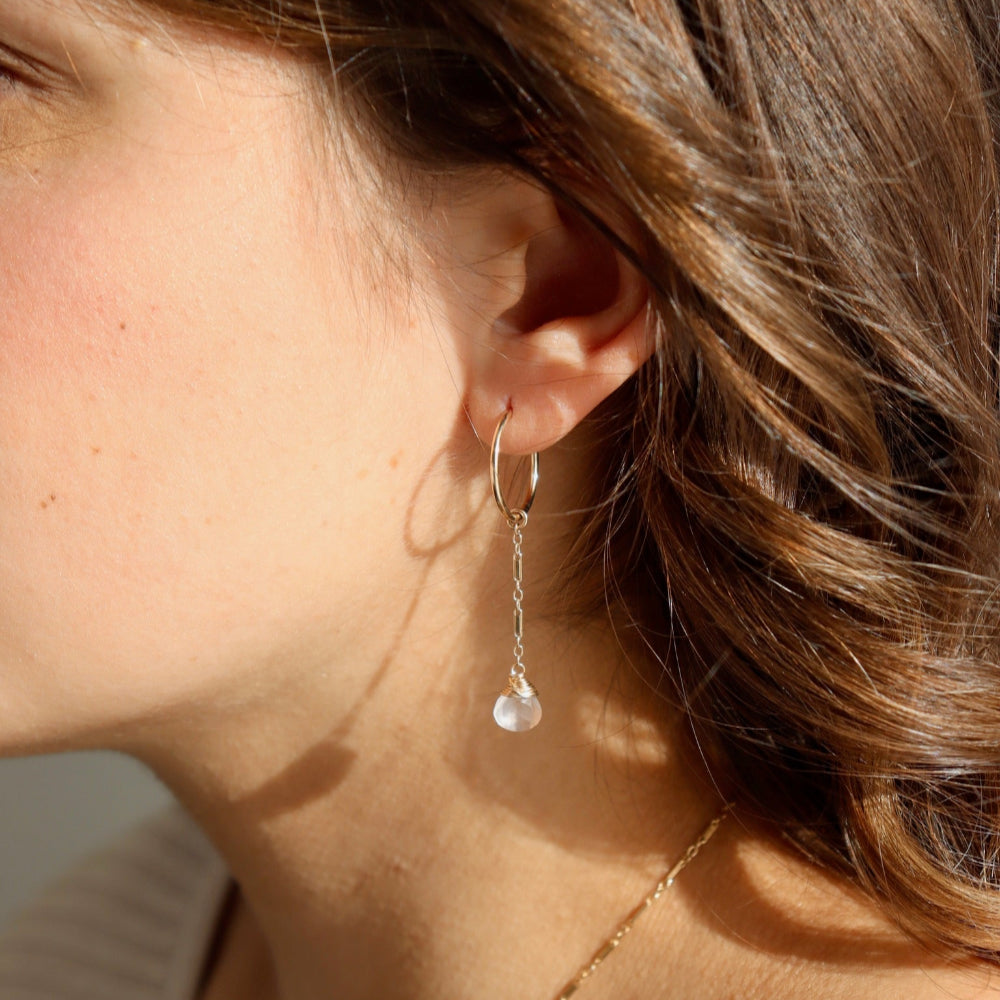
<point>627,924</point>
<point>517,521</point>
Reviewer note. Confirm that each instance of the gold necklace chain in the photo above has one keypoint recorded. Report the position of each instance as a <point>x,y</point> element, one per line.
<point>658,890</point>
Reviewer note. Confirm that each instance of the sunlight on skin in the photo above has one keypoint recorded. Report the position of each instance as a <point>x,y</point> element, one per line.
<point>246,535</point>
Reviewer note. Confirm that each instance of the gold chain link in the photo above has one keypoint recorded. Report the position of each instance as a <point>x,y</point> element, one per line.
<point>626,926</point>
<point>517,670</point>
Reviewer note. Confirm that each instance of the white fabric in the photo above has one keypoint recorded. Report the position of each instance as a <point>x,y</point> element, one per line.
<point>132,922</point>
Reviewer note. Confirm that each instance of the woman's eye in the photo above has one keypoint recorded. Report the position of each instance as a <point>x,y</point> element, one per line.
<point>8,79</point>
<point>9,76</point>
<point>17,70</point>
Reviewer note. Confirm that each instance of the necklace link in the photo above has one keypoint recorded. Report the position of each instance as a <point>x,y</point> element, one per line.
<point>659,889</point>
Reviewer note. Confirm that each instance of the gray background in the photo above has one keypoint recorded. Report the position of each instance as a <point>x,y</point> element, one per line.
<point>54,810</point>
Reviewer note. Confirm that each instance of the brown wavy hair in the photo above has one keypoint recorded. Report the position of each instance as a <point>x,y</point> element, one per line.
<point>802,476</point>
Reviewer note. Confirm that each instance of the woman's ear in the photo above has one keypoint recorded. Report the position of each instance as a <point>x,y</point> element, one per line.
<point>577,327</point>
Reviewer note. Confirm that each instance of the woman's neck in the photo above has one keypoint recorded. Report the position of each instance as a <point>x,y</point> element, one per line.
<point>390,841</point>
<point>420,851</point>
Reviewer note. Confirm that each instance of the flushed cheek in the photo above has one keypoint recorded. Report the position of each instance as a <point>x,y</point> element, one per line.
<point>145,376</point>
<point>100,361</point>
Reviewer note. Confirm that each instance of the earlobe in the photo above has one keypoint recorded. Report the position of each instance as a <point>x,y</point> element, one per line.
<point>577,332</point>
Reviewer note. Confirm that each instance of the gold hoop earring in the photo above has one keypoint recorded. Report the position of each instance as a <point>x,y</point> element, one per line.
<point>518,708</point>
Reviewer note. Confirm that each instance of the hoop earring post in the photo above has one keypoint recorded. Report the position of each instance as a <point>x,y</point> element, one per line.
<point>508,512</point>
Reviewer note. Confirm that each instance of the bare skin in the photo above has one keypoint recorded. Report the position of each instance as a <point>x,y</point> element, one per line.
<point>445,912</point>
<point>248,538</point>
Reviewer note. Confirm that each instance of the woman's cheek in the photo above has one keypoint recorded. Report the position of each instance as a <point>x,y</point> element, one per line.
<point>135,362</point>
<point>186,372</point>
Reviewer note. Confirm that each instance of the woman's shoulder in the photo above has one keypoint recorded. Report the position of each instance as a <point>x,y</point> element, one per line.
<point>133,920</point>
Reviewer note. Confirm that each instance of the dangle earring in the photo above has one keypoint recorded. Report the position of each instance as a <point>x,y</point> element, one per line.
<point>517,709</point>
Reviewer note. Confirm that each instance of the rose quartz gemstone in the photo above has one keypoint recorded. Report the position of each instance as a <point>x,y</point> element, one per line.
<point>516,714</point>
